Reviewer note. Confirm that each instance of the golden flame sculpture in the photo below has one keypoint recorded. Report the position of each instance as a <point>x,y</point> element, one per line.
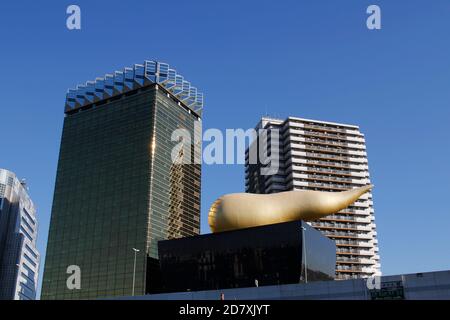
<point>244,210</point>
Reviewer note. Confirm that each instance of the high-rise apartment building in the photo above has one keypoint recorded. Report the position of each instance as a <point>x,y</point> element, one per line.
<point>19,258</point>
<point>324,156</point>
<point>117,188</point>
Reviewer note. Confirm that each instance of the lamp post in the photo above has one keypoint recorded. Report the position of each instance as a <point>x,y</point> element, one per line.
<point>134,269</point>
<point>304,252</point>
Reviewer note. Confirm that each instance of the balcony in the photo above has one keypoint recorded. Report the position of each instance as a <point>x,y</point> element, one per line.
<point>326,142</point>
<point>347,235</point>
<point>352,243</point>
<point>328,178</point>
<point>345,218</point>
<point>326,149</point>
<point>347,173</point>
<point>346,260</point>
<point>328,164</point>
<point>326,156</point>
<point>328,186</point>
<point>323,135</point>
<point>348,251</point>
<point>344,226</point>
<point>354,269</point>
<point>324,128</point>
<point>339,234</point>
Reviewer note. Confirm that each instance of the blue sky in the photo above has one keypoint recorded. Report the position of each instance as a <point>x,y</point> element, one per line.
<point>313,59</point>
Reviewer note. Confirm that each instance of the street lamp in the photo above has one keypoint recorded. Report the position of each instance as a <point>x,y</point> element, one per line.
<point>304,253</point>
<point>134,269</point>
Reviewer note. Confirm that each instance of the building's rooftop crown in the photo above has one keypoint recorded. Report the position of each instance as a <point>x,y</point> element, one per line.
<point>266,119</point>
<point>132,78</point>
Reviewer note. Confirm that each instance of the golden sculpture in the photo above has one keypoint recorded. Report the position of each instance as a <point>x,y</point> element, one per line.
<point>244,210</point>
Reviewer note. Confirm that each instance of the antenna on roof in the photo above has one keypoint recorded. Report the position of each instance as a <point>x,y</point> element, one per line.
<point>23,182</point>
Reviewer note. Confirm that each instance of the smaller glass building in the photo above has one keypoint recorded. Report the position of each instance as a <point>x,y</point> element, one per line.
<point>19,257</point>
<point>267,255</point>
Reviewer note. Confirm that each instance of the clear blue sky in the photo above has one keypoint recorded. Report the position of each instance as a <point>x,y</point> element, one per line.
<point>313,59</point>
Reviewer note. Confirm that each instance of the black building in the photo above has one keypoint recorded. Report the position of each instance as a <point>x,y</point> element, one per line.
<point>117,186</point>
<point>266,255</point>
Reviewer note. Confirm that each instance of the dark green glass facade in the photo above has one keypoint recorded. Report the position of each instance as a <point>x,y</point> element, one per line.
<point>117,189</point>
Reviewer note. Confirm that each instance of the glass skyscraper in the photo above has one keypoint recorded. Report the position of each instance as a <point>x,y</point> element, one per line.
<point>19,258</point>
<point>117,187</point>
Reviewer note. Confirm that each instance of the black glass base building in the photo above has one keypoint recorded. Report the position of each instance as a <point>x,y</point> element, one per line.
<point>267,255</point>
